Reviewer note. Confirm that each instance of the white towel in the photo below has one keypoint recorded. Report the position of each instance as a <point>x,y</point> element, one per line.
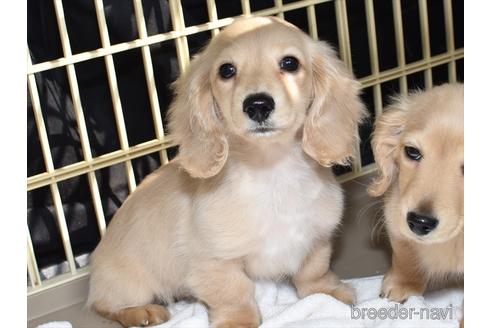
<point>56,324</point>
<point>280,307</point>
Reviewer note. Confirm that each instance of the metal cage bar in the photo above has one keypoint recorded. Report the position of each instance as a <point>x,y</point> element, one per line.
<point>79,114</point>
<point>32,265</point>
<point>345,55</point>
<point>212,15</point>
<point>48,161</point>
<point>373,54</point>
<point>177,19</point>
<point>115,157</point>
<point>313,28</point>
<point>400,43</point>
<point>279,4</point>
<point>59,280</point>
<point>246,8</point>
<point>115,94</point>
<point>414,67</point>
<point>448,21</point>
<point>73,59</point>
<point>424,31</point>
<point>149,78</point>
<point>343,32</point>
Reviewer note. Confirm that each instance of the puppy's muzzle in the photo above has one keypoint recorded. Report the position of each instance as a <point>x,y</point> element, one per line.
<point>421,224</point>
<point>258,106</point>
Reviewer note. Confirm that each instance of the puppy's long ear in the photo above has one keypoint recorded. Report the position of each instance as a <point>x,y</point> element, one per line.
<point>385,141</point>
<point>195,124</point>
<point>330,130</point>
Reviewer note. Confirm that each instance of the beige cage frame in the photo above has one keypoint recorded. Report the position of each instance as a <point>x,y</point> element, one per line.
<point>180,32</point>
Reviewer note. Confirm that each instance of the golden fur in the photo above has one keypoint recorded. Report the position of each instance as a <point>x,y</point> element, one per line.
<point>236,205</point>
<point>432,122</point>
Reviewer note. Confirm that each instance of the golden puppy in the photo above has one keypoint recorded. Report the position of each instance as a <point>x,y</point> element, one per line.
<point>418,147</point>
<point>255,115</point>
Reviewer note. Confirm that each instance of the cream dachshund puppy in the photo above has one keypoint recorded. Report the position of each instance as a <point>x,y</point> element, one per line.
<point>258,116</point>
<point>418,147</point>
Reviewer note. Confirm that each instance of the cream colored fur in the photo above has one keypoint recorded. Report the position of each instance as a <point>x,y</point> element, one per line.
<point>236,206</point>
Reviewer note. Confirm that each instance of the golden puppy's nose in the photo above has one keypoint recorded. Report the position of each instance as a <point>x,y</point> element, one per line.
<point>421,224</point>
<point>258,106</point>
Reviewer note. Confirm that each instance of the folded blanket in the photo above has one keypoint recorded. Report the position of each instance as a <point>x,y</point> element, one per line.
<point>280,307</point>
<point>56,324</point>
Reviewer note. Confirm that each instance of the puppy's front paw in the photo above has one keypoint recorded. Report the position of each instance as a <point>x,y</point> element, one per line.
<point>328,284</point>
<point>143,316</point>
<point>397,290</point>
<point>232,324</point>
<point>344,293</point>
<point>246,317</point>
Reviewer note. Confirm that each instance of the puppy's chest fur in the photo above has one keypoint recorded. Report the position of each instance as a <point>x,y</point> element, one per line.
<point>275,216</point>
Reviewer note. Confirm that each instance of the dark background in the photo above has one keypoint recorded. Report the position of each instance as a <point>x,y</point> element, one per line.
<point>44,44</point>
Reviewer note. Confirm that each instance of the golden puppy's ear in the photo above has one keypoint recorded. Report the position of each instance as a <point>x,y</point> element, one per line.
<point>385,141</point>
<point>330,130</point>
<point>195,123</point>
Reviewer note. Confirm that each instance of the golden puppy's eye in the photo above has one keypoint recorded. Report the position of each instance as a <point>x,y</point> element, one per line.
<point>227,70</point>
<point>289,64</point>
<point>413,153</point>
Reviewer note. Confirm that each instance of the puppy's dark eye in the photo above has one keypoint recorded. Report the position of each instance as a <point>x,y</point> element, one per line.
<point>413,153</point>
<point>289,64</point>
<point>227,70</point>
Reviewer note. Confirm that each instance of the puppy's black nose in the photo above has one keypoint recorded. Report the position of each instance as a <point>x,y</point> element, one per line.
<point>421,224</point>
<point>258,106</point>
